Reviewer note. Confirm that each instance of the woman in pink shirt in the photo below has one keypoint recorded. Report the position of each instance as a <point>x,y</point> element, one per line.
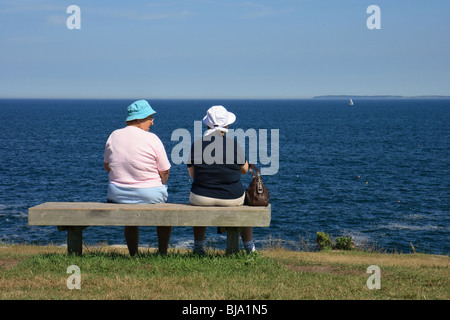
<point>138,169</point>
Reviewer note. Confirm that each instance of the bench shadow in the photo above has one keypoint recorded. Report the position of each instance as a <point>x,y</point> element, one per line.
<point>147,253</point>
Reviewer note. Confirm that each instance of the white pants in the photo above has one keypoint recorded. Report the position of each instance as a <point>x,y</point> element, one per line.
<point>197,200</point>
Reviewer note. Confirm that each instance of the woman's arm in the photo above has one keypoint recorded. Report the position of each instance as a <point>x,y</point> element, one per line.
<point>164,176</point>
<point>191,171</point>
<point>244,168</point>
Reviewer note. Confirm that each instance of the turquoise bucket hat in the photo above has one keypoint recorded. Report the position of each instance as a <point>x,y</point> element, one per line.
<point>139,109</point>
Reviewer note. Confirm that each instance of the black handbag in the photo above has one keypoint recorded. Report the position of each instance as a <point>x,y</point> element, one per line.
<point>257,193</point>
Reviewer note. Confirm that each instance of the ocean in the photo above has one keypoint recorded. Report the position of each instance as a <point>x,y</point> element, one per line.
<point>378,171</point>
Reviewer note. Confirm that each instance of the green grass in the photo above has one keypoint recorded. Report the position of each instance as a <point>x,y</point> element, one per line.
<point>34,272</point>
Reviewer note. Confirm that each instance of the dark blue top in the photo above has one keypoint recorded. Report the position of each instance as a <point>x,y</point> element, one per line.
<point>217,163</point>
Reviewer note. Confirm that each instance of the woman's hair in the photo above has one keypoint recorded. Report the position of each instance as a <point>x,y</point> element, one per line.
<point>215,127</point>
<point>137,121</point>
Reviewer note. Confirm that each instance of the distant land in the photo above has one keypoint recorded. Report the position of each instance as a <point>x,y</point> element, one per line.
<point>379,97</point>
<point>324,97</point>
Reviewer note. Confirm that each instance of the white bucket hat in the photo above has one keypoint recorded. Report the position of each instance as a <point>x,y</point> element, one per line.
<point>217,118</point>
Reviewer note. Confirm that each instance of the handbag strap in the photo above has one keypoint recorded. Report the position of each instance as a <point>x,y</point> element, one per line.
<point>252,167</point>
<point>259,184</point>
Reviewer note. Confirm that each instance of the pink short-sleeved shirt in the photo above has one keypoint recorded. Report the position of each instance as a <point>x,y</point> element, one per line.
<point>135,158</point>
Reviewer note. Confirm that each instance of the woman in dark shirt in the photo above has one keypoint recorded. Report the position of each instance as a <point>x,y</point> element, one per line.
<point>216,164</point>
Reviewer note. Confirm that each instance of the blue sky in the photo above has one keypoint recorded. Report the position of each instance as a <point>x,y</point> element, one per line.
<point>223,49</point>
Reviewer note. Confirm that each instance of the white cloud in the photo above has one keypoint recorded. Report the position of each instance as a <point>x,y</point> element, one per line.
<point>28,40</point>
<point>20,7</point>
<point>259,10</point>
<point>57,20</point>
<point>157,16</point>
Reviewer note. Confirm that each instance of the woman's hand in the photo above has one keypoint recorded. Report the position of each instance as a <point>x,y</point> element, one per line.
<point>164,176</point>
<point>191,171</point>
<point>244,168</point>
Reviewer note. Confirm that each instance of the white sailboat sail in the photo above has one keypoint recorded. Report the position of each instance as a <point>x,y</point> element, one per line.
<point>351,102</point>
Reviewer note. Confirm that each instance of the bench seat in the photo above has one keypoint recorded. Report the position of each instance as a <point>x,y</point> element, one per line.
<point>75,216</point>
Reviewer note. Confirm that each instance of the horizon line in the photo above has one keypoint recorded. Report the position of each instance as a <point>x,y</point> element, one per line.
<point>340,96</point>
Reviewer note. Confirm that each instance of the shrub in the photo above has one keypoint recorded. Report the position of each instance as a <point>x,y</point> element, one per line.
<point>324,241</point>
<point>344,243</point>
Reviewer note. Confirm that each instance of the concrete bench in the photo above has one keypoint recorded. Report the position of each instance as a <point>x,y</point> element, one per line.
<point>75,216</point>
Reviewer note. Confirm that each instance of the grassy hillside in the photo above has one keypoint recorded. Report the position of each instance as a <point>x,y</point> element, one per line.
<point>39,272</point>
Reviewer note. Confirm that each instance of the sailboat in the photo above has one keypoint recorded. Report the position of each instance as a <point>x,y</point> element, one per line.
<point>351,102</point>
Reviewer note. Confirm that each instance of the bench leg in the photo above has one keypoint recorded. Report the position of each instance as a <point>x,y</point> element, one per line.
<point>232,240</point>
<point>75,240</point>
